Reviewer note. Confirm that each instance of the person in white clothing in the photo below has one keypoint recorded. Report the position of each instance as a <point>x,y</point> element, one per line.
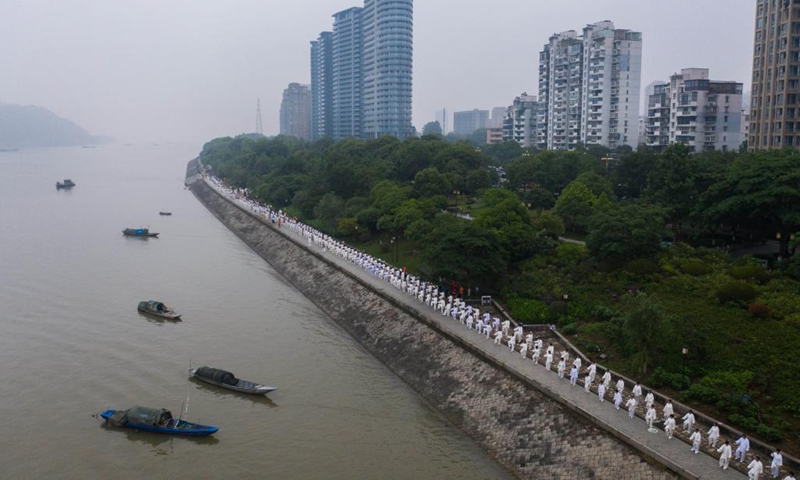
<point>573,376</point>
<point>601,392</point>
<point>592,368</point>
<point>606,378</point>
<point>562,365</point>
<point>631,404</point>
<point>550,349</point>
<point>696,438</point>
<point>669,426</point>
<point>649,399</point>
<point>650,416</point>
<point>617,399</point>
<point>790,476</point>
<point>777,463</point>
<point>587,384</point>
<point>724,454</point>
<point>523,349</point>
<point>637,391</point>
<point>688,421</point>
<point>548,360</point>
<point>621,386</point>
<point>713,435</point>
<point>668,410</point>
<point>498,337</point>
<point>536,352</point>
<point>755,469</point>
<point>511,342</point>
<point>577,362</point>
<point>742,447</point>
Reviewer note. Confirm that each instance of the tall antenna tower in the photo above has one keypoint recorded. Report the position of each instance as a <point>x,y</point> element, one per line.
<point>259,128</point>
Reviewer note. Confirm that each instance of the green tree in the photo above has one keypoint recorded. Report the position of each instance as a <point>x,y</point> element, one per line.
<point>462,251</point>
<point>548,223</point>
<point>672,184</point>
<point>328,210</point>
<point>647,332</point>
<point>540,198</point>
<point>597,184</point>
<point>763,186</point>
<point>429,182</point>
<point>432,128</point>
<point>626,232</point>
<point>574,206</point>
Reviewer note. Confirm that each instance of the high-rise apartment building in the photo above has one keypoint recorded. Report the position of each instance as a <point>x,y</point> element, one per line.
<point>589,88</point>
<point>322,86</point>
<point>520,121</point>
<point>465,123</point>
<point>775,98</point>
<point>347,51</point>
<point>370,58</point>
<point>388,57</point>
<point>701,113</point>
<point>296,111</point>
<point>498,115</point>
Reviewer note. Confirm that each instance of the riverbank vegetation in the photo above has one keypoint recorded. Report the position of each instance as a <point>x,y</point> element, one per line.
<point>653,291</point>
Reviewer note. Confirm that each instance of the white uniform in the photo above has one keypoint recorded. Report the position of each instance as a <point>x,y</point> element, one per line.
<point>755,469</point>
<point>667,410</point>
<point>617,399</point>
<point>573,376</point>
<point>777,462</point>
<point>592,372</point>
<point>742,447</point>
<point>696,438</point>
<point>536,352</point>
<point>631,404</point>
<point>669,426</point>
<point>606,378</point>
<point>713,436</point>
<point>649,399</point>
<point>498,337</point>
<point>621,385</point>
<point>548,360</point>
<point>724,455</point>
<point>637,391</point>
<point>651,416</point>
<point>562,365</point>
<point>601,392</point>
<point>577,362</point>
<point>688,422</point>
<point>523,349</point>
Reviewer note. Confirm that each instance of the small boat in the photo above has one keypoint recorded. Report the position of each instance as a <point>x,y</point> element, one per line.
<point>224,379</point>
<point>158,420</point>
<point>158,309</point>
<point>67,183</point>
<point>165,213</point>
<point>138,232</point>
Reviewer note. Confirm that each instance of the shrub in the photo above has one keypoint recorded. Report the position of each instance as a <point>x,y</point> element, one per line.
<point>768,433</point>
<point>569,254</point>
<point>736,292</point>
<point>528,311</point>
<point>662,378</point>
<point>695,267</point>
<point>759,310</point>
<point>750,272</point>
<point>746,423</point>
<point>603,313</point>
<point>570,329</point>
<point>642,266</point>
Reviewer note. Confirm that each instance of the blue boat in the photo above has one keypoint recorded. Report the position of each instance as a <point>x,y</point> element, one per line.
<point>138,232</point>
<point>158,420</point>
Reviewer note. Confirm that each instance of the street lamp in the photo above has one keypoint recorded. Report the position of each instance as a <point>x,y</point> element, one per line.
<point>566,308</point>
<point>607,160</point>
<point>684,352</point>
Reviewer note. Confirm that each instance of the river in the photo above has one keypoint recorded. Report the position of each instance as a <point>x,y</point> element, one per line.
<point>73,344</point>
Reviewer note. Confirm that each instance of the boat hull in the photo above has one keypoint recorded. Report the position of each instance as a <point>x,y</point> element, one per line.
<point>166,316</point>
<point>242,386</point>
<point>130,234</point>
<point>182,427</point>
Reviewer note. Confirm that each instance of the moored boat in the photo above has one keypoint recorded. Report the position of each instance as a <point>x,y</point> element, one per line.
<point>158,420</point>
<point>165,213</point>
<point>67,183</point>
<point>139,232</point>
<point>225,379</point>
<point>158,309</point>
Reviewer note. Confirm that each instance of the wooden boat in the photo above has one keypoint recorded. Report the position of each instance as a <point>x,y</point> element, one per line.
<point>156,420</point>
<point>158,309</point>
<point>165,213</point>
<point>224,379</point>
<point>139,232</point>
<point>67,183</point>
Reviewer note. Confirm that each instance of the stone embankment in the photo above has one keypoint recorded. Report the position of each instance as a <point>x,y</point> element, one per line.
<point>529,432</point>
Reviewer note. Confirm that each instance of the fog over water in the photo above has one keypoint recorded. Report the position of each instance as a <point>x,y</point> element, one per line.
<point>189,70</point>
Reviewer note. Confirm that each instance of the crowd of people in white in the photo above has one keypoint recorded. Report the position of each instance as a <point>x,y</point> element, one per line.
<point>501,332</point>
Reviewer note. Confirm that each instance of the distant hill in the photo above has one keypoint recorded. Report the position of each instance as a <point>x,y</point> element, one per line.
<point>32,126</point>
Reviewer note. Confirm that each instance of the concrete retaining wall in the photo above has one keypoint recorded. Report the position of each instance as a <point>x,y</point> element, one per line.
<point>524,430</point>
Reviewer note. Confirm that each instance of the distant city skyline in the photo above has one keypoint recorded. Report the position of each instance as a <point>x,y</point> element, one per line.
<point>193,70</point>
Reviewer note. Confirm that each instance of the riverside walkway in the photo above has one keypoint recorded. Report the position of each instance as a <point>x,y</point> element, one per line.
<point>673,453</point>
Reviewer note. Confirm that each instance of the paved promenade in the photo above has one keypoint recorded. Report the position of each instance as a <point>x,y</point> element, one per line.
<point>673,452</point>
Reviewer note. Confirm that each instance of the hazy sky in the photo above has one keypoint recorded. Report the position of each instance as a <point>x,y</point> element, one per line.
<point>191,70</point>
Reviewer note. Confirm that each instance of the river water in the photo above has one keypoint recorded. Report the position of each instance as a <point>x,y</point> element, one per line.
<point>73,344</point>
